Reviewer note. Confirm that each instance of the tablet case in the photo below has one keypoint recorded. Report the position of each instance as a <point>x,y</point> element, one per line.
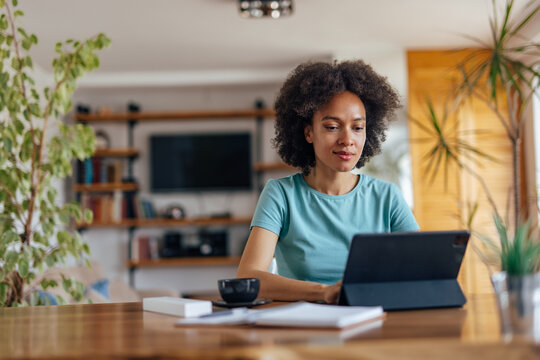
<point>413,270</point>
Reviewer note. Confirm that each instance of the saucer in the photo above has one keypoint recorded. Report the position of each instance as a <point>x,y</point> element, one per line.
<point>255,302</point>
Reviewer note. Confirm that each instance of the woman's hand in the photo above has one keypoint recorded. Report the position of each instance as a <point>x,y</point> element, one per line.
<point>331,293</point>
<point>257,257</point>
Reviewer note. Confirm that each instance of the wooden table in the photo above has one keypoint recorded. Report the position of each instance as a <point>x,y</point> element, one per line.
<point>124,331</point>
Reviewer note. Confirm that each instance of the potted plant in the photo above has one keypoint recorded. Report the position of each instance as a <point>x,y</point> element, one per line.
<point>36,151</point>
<point>502,74</point>
<point>518,283</point>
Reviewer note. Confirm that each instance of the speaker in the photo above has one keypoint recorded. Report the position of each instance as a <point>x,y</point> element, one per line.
<point>213,243</point>
<point>204,243</point>
<point>171,245</point>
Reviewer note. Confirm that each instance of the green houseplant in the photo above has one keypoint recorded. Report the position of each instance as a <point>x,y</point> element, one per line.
<point>503,75</point>
<point>495,68</point>
<point>35,154</point>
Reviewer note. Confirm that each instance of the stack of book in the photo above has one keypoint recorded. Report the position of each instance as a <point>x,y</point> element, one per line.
<point>145,247</point>
<point>96,170</point>
<point>116,206</point>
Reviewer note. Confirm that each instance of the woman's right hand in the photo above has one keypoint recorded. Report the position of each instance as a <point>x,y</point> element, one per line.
<point>255,261</point>
<point>331,293</point>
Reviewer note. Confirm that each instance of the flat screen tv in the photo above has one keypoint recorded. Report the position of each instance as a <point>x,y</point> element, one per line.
<point>200,162</point>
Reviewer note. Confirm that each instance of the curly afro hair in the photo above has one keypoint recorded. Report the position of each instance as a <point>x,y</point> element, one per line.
<point>313,84</point>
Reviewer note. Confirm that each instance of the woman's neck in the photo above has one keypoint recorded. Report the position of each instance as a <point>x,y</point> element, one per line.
<point>334,183</point>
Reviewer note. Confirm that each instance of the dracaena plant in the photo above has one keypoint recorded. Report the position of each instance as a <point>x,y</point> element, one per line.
<point>36,150</point>
<point>505,67</point>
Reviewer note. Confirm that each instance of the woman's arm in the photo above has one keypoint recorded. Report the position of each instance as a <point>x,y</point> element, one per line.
<point>255,261</point>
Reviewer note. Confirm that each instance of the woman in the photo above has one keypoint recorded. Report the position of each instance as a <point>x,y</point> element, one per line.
<point>330,118</point>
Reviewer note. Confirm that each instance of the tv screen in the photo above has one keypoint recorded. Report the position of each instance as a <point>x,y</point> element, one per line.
<point>197,162</point>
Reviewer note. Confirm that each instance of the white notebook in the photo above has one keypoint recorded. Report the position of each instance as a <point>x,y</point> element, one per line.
<point>300,314</point>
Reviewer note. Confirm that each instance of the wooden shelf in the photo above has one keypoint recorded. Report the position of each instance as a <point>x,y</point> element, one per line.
<point>193,221</point>
<point>170,222</point>
<point>187,261</point>
<point>105,187</point>
<point>100,224</point>
<point>274,166</point>
<point>118,152</point>
<point>130,153</point>
<point>175,115</point>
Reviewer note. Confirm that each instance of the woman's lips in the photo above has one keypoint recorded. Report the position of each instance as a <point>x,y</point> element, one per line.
<point>344,155</point>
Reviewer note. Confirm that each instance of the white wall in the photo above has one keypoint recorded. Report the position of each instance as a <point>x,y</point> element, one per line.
<point>109,246</point>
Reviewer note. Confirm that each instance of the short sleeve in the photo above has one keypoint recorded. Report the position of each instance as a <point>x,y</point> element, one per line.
<point>270,211</point>
<point>402,218</point>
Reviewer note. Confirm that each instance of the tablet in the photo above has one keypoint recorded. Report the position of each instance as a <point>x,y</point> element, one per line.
<point>407,270</point>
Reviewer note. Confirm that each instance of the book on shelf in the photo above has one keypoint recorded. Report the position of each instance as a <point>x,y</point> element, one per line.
<point>88,174</point>
<point>154,247</point>
<point>96,170</point>
<point>103,171</point>
<point>80,173</point>
<point>145,247</point>
<point>129,206</point>
<point>142,208</point>
<point>117,206</point>
<point>116,172</point>
<point>146,209</point>
<point>114,206</point>
<point>300,314</point>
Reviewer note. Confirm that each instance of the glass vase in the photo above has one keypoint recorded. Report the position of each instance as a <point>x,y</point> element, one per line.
<point>518,302</point>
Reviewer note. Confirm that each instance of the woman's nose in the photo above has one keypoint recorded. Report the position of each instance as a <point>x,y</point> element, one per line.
<point>346,137</point>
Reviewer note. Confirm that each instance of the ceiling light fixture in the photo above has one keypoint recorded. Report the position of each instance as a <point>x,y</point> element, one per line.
<point>265,8</point>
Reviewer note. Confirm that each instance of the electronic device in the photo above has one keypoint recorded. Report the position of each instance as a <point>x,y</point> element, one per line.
<point>171,245</point>
<point>213,243</point>
<point>408,270</point>
<point>200,162</point>
<point>203,243</point>
<point>175,212</point>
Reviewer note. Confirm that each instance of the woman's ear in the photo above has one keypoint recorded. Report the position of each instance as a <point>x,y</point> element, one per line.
<point>308,131</point>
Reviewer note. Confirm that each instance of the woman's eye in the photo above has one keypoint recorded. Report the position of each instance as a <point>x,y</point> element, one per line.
<point>359,128</point>
<point>330,127</point>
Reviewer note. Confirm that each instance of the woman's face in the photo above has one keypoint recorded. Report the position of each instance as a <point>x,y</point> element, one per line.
<point>338,133</point>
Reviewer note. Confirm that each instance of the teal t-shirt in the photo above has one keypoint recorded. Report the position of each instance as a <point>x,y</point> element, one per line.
<point>315,230</point>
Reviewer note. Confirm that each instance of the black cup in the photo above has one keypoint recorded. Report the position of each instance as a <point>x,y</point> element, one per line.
<point>241,290</point>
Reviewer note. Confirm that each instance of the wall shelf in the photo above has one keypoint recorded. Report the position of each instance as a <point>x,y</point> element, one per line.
<point>194,221</point>
<point>131,119</point>
<point>117,152</point>
<point>105,187</point>
<point>174,115</point>
<point>126,223</point>
<point>187,261</point>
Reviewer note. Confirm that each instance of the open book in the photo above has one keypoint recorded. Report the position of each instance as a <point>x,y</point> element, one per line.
<point>300,314</point>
